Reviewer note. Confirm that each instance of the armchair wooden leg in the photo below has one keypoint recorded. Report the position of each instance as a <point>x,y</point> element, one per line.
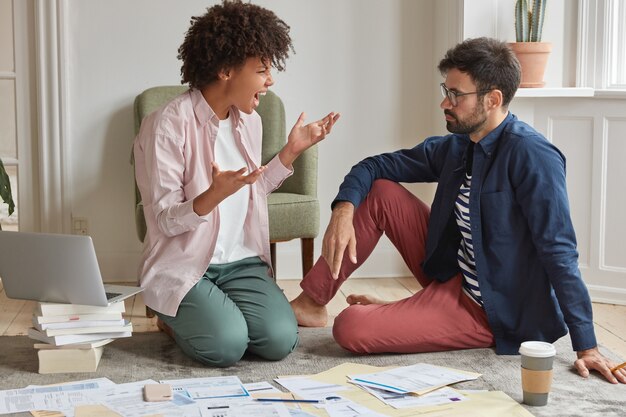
<point>273,256</point>
<point>307,255</point>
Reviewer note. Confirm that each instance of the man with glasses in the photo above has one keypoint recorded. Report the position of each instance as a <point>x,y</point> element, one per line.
<point>496,254</point>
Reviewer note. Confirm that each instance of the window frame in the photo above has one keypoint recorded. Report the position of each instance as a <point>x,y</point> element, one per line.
<point>596,42</point>
<point>23,75</point>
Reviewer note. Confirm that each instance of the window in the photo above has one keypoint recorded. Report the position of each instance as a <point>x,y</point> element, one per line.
<point>8,121</point>
<point>602,44</point>
<point>617,36</point>
<point>18,137</point>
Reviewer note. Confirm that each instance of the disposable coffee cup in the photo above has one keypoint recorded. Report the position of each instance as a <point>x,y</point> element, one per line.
<point>537,360</point>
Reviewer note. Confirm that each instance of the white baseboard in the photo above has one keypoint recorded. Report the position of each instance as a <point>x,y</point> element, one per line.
<point>608,295</point>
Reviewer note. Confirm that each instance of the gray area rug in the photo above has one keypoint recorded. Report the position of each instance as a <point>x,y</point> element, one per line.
<point>156,356</point>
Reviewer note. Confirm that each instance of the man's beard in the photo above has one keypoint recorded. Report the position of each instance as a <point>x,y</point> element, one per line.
<point>470,125</point>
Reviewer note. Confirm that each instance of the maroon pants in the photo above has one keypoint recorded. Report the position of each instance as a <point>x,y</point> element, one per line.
<point>438,317</point>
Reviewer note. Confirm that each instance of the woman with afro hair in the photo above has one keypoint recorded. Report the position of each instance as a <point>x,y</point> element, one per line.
<point>205,264</point>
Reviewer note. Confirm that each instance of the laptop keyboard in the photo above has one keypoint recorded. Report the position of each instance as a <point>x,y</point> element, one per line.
<point>112,295</point>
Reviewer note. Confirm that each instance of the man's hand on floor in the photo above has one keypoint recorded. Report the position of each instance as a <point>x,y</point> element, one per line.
<point>592,359</point>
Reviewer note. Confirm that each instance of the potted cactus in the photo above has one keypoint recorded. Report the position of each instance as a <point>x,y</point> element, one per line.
<point>531,52</point>
<point>5,189</point>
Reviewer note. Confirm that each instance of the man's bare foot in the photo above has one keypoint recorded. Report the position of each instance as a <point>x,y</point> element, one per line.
<point>308,312</point>
<point>364,299</point>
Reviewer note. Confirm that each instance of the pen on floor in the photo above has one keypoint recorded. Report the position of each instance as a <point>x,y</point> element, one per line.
<point>618,367</point>
<point>288,400</point>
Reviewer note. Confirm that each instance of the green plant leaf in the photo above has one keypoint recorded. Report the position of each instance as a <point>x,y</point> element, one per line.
<point>522,23</point>
<point>529,19</point>
<point>5,189</point>
<point>539,11</point>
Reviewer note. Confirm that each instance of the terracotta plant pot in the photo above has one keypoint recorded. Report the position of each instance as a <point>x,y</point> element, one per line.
<point>533,57</point>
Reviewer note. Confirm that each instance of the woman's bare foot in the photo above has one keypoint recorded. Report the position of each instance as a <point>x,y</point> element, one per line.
<point>308,312</point>
<point>364,299</point>
<point>165,328</point>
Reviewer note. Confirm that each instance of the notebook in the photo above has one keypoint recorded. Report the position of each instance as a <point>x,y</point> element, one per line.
<point>55,268</point>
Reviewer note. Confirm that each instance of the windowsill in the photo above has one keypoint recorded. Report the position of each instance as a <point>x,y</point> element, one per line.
<point>555,92</point>
<point>559,92</point>
<point>610,93</point>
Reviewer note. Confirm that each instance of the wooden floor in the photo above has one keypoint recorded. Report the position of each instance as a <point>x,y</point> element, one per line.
<point>609,320</point>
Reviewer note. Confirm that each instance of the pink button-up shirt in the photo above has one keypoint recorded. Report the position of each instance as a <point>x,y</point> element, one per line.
<point>173,153</point>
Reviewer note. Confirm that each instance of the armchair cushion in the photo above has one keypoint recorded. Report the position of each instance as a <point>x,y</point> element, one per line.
<point>284,225</point>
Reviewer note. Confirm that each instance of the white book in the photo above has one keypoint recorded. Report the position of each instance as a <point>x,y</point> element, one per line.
<point>79,324</point>
<point>74,338</point>
<point>86,345</point>
<point>76,317</point>
<point>55,309</point>
<point>124,327</point>
<point>69,360</point>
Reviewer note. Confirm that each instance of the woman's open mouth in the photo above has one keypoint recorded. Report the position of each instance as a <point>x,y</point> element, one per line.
<point>257,97</point>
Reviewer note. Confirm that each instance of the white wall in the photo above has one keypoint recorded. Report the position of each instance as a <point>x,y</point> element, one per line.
<point>372,60</point>
<point>495,18</point>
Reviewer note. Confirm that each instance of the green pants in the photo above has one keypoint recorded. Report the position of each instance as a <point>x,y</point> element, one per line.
<point>233,308</point>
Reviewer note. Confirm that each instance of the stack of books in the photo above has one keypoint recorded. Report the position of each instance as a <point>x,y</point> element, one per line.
<point>73,336</point>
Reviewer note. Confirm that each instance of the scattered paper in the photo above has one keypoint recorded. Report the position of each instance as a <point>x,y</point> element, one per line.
<point>41,413</point>
<point>419,378</point>
<point>440,396</point>
<point>63,397</point>
<point>342,407</point>
<point>94,411</point>
<point>296,412</point>
<point>228,397</point>
<point>310,389</point>
<point>260,387</point>
<point>127,400</point>
<point>255,409</point>
<point>210,387</point>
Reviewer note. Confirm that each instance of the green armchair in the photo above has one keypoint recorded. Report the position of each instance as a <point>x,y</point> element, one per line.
<point>293,208</point>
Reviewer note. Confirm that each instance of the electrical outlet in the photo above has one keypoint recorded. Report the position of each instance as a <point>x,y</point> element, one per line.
<point>80,226</point>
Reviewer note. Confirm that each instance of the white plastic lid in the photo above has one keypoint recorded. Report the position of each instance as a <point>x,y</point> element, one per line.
<point>537,349</point>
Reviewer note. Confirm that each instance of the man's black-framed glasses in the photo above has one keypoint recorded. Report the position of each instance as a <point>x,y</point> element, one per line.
<point>453,95</point>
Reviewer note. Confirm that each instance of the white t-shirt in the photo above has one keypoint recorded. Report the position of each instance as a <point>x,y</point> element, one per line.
<point>230,239</point>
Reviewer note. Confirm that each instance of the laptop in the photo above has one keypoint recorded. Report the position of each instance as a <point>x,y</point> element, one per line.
<point>55,268</point>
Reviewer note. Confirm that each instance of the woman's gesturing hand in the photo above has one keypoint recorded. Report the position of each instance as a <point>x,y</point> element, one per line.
<point>302,136</point>
<point>225,183</point>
